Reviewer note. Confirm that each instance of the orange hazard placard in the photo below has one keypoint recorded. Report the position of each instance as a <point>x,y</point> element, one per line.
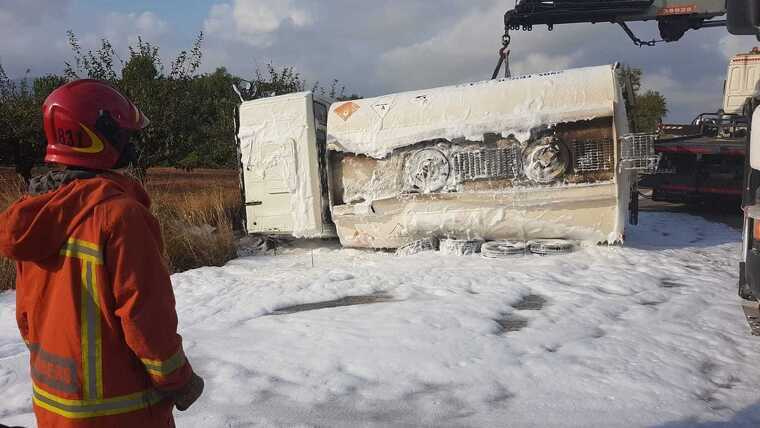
<point>345,111</point>
<point>686,9</point>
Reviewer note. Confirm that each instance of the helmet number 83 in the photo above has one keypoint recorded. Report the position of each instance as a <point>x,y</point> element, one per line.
<point>66,137</point>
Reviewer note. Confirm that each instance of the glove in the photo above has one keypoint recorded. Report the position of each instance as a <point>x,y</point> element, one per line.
<point>184,397</point>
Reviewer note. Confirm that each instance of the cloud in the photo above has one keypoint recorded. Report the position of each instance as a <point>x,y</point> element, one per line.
<point>32,12</point>
<point>253,21</point>
<point>33,34</point>
<point>123,30</point>
<point>373,48</point>
<point>686,98</point>
<point>731,45</point>
<point>28,38</point>
<point>468,51</point>
<point>340,40</point>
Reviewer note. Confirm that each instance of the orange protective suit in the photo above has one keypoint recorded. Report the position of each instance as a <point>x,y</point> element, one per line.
<point>95,305</point>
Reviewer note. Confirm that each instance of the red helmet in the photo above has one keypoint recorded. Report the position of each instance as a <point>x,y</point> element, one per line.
<point>87,124</point>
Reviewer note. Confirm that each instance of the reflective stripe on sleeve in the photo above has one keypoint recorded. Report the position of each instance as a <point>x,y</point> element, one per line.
<point>165,367</point>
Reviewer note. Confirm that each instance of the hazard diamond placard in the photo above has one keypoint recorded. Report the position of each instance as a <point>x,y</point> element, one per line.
<point>346,110</point>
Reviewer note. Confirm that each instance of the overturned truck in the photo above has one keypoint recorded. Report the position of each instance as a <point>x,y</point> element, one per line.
<point>537,156</point>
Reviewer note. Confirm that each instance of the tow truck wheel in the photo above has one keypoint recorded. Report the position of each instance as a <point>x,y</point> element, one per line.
<point>746,293</point>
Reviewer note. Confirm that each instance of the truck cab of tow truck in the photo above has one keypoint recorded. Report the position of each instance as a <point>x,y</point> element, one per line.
<point>749,270</point>
<point>741,98</point>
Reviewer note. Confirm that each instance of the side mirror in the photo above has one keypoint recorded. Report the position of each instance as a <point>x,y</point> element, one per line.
<point>245,89</point>
<point>237,91</point>
<point>245,85</point>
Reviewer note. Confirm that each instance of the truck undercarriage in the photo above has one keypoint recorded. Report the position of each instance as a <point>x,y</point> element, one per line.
<point>701,162</point>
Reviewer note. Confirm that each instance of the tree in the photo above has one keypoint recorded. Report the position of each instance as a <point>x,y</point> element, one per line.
<point>166,99</point>
<point>22,138</point>
<point>191,114</point>
<point>647,110</point>
<point>215,145</point>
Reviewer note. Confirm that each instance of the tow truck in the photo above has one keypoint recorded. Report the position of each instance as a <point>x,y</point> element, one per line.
<point>674,19</point>
<point>703,162</point>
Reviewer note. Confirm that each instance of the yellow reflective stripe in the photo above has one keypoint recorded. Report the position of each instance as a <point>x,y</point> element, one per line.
<point>98,336</point>
<point>86,244</point>
<point>165,367</point>
<point>78,409</point>
<point>83,250</point>
<point>84,334</point>
<point>89,318</point>
<point>92,370</point>
<point>77,255</point>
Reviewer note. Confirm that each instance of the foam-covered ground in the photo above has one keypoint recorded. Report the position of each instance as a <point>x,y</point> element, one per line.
<point>648,335</point>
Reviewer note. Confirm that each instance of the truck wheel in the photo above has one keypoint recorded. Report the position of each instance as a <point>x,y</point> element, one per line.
<point>746,293</point>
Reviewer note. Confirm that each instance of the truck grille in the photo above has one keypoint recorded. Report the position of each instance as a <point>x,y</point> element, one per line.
<point>500,163</point>
<point>594,155</point>
<point>504,163</point>
<point>637,153</point>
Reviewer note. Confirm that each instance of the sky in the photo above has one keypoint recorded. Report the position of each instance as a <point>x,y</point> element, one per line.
<point>372,47</point>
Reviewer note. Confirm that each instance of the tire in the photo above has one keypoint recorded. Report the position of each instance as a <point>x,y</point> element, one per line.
<point>745,292</point>
<point>419,246</point>
<point>460,247</point>
<point>548,247</point>
<point>503,249</point>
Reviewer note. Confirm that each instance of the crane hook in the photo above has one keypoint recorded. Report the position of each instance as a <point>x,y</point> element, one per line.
<point>506,39</point>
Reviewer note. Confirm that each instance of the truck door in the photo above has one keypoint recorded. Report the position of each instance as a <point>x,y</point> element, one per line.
<point>270,169</point>
<point>320,122</point>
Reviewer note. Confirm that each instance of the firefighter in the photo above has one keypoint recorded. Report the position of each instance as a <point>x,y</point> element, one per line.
<point>94,302</point>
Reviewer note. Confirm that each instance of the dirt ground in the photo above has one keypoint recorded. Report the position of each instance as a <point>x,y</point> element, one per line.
<point>172,180</point>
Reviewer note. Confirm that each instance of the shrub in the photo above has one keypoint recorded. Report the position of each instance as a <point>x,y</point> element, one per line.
<point>10,190</point>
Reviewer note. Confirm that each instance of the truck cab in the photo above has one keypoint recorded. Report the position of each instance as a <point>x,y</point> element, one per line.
<point>741,81</point>
<point>284,173</point>
<point>749,267</point>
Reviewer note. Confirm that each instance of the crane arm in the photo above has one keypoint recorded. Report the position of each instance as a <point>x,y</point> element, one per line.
<point>674,17</point>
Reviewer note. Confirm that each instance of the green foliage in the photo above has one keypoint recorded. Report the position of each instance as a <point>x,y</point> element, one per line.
<point>192,114</point>
<point>278,82</point>
<point>634,76</point>
<point>166,99</point>
<point>647,110</point>
<point>98,65</point>
<point>22,139</point>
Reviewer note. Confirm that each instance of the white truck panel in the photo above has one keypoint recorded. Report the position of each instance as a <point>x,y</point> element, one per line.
<point>376,126</point>
<point>278,147</point>
<point>741,81</point>
<point>754,151</point>
<point>379,137</point>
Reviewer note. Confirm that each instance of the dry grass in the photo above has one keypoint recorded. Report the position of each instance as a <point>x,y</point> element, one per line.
<point>10,190</point>
<point>199,213</point>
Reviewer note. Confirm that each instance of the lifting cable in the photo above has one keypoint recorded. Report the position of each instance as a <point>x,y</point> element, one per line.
<point>503,57</point>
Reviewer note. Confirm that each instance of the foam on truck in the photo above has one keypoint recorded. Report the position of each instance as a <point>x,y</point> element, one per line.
<point>536,156</point>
